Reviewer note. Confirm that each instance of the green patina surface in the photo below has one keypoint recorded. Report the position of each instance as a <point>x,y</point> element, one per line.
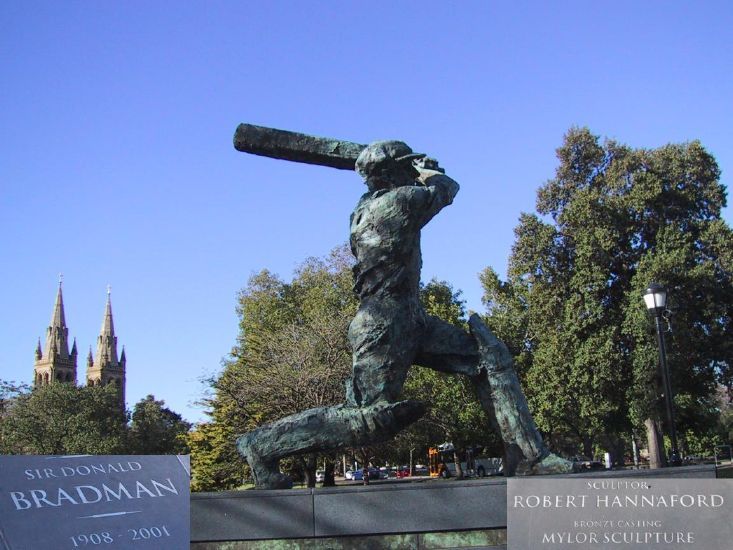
<point>493,538</point>
<point>486,539</point>
<point>391,331</point>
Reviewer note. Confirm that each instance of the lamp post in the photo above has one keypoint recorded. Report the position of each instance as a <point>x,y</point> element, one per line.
<point>655,298</point>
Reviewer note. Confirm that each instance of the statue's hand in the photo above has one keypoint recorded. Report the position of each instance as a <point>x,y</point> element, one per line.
<point>426,168</point>
<point>427,163</point>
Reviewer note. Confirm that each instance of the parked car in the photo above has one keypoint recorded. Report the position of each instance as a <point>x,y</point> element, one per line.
<point>374,474</point>
<point>403,471</point>
<point>355,475</point>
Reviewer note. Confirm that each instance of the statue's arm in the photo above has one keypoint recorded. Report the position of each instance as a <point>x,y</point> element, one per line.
<point>437,191</point>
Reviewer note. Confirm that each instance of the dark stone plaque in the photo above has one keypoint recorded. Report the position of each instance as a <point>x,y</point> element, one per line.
<point>617,512</point>
<point>102,502</point>
<point>409,507</point>
<point>252,515</point>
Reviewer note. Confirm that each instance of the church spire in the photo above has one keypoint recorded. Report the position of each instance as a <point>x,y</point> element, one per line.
<point>54,363</point>
<point>106,367</point>
<point>57,335</point>
<point>107,341</point>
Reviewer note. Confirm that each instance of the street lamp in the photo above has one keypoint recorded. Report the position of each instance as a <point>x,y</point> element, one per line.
<point>655,297</point>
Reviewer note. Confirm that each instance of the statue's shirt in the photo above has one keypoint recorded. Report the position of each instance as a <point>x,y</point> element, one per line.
<point>385,236</point>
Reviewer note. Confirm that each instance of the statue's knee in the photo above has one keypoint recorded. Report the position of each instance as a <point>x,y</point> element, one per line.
<point>393,417</point>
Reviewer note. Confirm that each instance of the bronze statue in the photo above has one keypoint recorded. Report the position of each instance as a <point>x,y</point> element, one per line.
<point>391,331</point>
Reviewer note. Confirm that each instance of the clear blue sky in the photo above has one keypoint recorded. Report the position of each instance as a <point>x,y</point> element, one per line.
<point>117,165</point>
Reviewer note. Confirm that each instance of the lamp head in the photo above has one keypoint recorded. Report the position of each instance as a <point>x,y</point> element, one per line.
<point>655,298</point>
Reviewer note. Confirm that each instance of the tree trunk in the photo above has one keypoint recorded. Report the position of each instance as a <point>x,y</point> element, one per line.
<point>365,454</point>
<point>682,449</point>
<point>654,443</point>
<point>309,471</point>
<point>457,462</point>
<point>588,446</point>
<point>620,452</point>
<point>329,479</point>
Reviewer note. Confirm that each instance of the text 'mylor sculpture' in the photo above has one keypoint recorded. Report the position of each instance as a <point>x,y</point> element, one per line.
<point>391,331</point>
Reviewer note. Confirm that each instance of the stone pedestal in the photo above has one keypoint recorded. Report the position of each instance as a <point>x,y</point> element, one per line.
<point>387,514</point>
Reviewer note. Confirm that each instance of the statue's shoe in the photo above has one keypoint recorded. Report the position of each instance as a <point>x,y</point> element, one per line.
<point>266,473</point>
<point>551,464</point>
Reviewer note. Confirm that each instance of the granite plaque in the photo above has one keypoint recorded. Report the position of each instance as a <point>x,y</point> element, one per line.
<point>102,502</point>
<point>617,513</point>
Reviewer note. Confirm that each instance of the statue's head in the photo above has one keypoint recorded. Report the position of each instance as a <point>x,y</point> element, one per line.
<point>387,164</point>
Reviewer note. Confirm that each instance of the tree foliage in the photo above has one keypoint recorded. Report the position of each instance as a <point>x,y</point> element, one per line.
<point>68,419</point>
<point>64,419</point>
<point>291,354</point>
<point>9,391</point>
<point>292,349</point>
<point>612,220</point>
<point>215,463</point>
<point>157,430</point>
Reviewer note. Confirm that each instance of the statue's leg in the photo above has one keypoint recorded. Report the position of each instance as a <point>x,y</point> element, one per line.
<point>489,365</point>
<point>383,338</point>
<point>497,383</point>
<point>321,429</point>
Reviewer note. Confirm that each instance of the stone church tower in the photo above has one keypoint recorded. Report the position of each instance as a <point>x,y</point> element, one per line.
<point>105,368</point>
<point>54,363</point>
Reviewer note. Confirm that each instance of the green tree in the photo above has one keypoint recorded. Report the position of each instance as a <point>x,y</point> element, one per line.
<point>64,419</point>
<point>291,354</point>
<point>216,465</point>
<point>9,391</point>
<point>612,220</point>
<point>157,430</point>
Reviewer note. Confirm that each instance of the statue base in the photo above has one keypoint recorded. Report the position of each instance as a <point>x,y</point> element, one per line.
<point>381,509</point>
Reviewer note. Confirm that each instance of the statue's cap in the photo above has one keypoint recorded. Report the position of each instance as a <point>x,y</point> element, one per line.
<point>381,155</point>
